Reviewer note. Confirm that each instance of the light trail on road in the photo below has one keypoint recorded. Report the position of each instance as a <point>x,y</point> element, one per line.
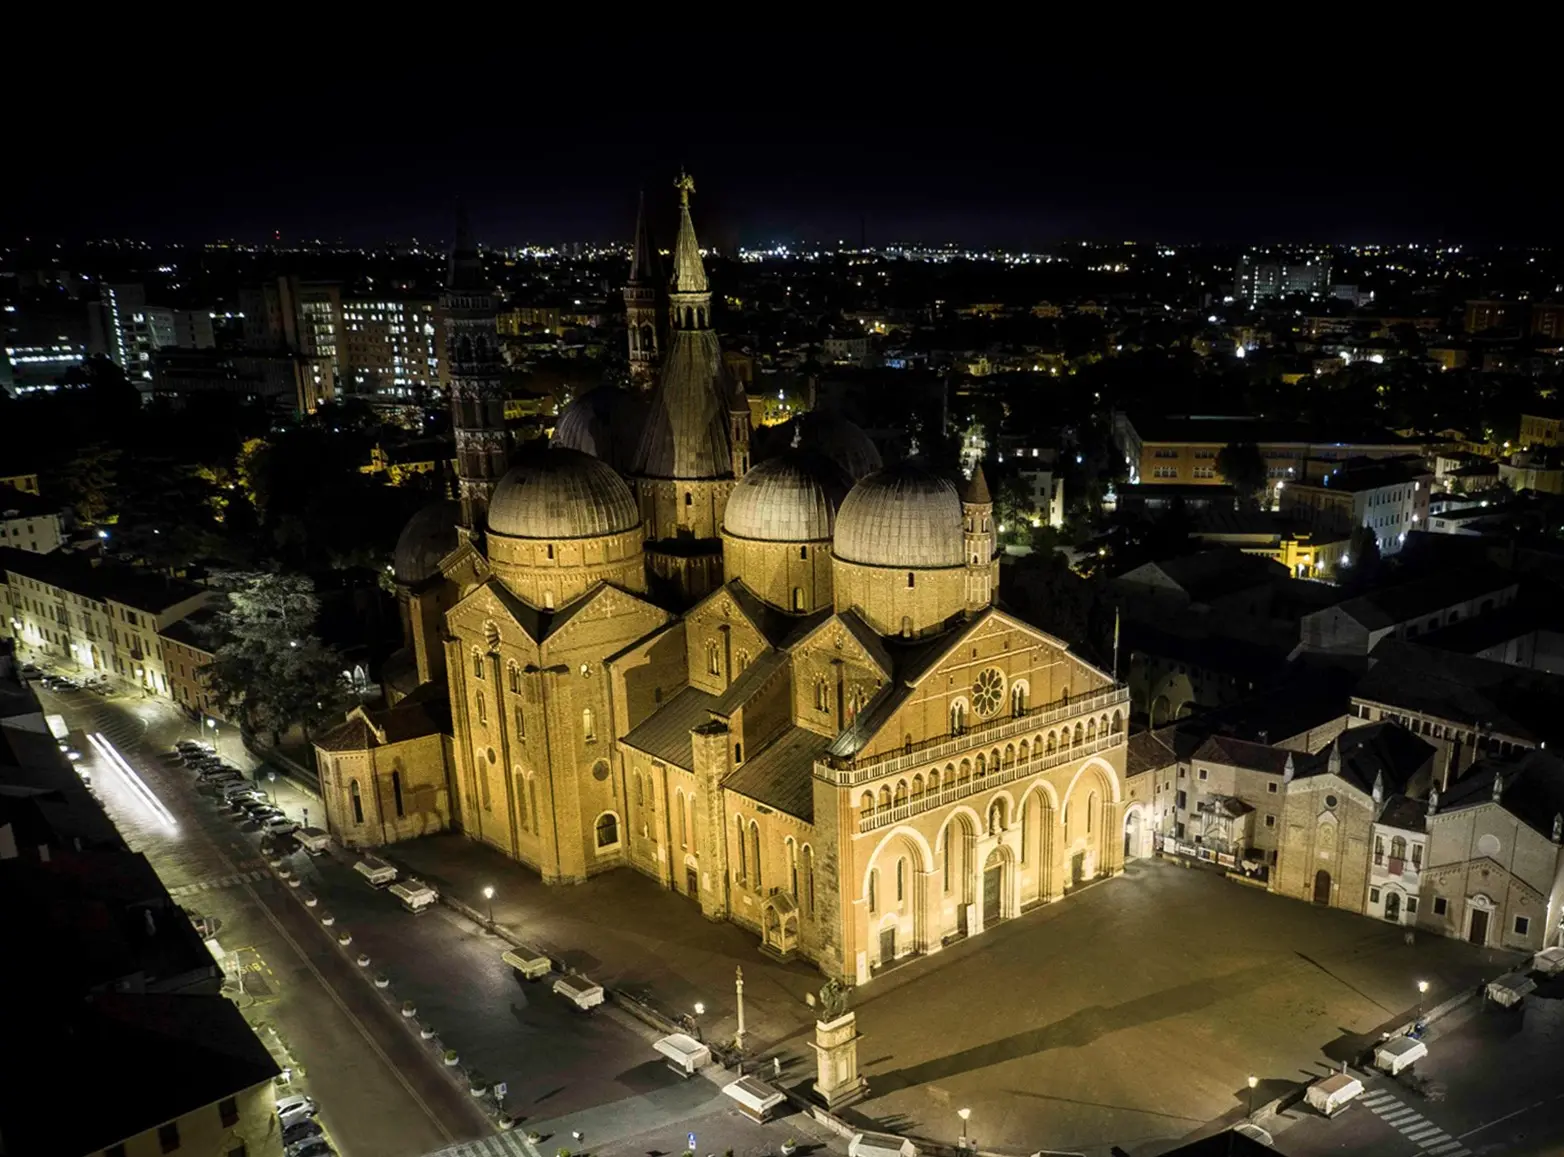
<point>137,784</point>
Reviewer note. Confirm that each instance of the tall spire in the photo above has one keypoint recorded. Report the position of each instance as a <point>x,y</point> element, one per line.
<point>643,332</point>
<point>643,256</point>
<point>689,273</point>
<point>465,269</point>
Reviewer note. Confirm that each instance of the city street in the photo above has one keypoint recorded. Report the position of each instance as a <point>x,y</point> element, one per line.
<point>1130,1014</point>
<point>381,1090</point>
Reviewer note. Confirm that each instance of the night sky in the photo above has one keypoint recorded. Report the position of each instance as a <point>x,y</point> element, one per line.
<point>927,153</point>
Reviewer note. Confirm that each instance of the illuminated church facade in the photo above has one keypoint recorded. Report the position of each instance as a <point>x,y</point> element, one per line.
<point>780,688</point>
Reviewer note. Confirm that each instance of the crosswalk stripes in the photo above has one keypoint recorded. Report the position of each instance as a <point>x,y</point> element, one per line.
<point>196,886</point>
<point>512,1144</point>
<point>1412,1125</point>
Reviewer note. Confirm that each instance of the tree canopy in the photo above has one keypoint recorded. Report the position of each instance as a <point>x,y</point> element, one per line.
<point>1242,467</point>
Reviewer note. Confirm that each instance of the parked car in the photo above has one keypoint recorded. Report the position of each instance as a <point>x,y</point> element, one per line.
<point>297,1115</point>
<point>216,778</point>
<point>279,826</point>
<point>265,815</point>
<point>314,1147</point>
<point>301,1132</point>
<point>296,1103</point>
<point>244,799</point>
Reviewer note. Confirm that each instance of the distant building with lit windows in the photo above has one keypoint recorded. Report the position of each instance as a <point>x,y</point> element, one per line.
<point>1388,497</point>
<point>1260,278</point>
<point>391,347</point>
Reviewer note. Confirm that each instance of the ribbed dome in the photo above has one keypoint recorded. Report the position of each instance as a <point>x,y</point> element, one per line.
<point>902,516</point>
<point>562,494</point>
<point>605,423</point>
<point>427,538</point>
<point>686,432</point>
<point>835,437</point>
<point>791,498</point>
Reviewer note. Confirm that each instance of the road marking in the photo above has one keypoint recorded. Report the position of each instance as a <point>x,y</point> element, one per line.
<point>1412,1125</point>
<point>1447,1148</point>
<point>1507,1116</point>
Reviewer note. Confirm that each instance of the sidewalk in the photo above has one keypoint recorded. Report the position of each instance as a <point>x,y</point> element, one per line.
<point>625,932</point>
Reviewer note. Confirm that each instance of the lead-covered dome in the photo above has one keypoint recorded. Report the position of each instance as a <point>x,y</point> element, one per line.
<point>605,423</point>
<point>833,436</point>
<point>427,538</point>
<point>790,498</point>
<point>902,516</point>
<point>562,494</point>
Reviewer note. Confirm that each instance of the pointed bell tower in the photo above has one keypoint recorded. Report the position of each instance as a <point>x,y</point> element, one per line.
<point>977,531</point>
<point>472,353</point>
<point>738,428</point>
<point>641,312</point>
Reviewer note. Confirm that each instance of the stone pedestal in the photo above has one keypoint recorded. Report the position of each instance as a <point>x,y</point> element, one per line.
<point>837,1082</point>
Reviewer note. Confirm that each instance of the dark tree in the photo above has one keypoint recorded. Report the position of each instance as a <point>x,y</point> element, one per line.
<point>1242,467</point>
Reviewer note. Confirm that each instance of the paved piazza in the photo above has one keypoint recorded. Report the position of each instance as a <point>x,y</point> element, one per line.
<point>1133,1013</point>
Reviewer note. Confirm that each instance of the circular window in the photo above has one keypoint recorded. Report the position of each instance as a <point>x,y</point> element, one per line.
<point>1488,845</point>
<point>1330,801</point>
<point>600,770</point>
<point>490,754</point>
<point>988,691</point>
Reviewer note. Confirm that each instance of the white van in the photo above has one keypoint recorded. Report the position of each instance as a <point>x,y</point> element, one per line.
<point>414,894</point>
<point>313,840</point>
<point>376,871</point>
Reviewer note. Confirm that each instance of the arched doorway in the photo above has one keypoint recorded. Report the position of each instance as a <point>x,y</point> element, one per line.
<point>1135,833</point>
<point>1393,906</point>
<point>1037,847</point>
<point>995,878</point>
<point>953,857</point>
<point>895,898</point>
<point>1322,887</point>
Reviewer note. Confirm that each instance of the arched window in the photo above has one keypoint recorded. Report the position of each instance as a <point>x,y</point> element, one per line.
<point>885,797</point>
<point>917,787</point>
<point>792,868</point>
<point>945,852</point>
<point>1018,699</point>
<point>521,723</point>
<point>1118,723</point>
<point>740,661</point>
<point>822,696</point>
<point>477,663</point>
<point>607,830</point>
<point>809,880</point>
<point>640,793</point>
<point>1091,730</point>
<point>1026,751</point>
<point>483,709</point>
<point>901,880</point>
<point>906,626</point>
<point>521,796</point>
<point>1398,848</point>
<point>1052,744</point>
<point>396,792</point>
<point>911,579</point>
<point>1379,850</point>
<point>958,716</point>
<point>684,835</point>
<point>358,802</point>
<point>713,658</point>
<point>901,792</point>
<point>964,774</point>
<point>798,598</point>
<point>1080,735</point>
<point>874,889</point>
<point>866,804</point>
<point>588,724</point>
<point>513,678</point>
<point>1009,756</point>
<point>738,754</point>
<point>738,823</point>
<point>532,794</point>
<point>551,550</point>
<point>982,765</point>
<point>754,854</point>
<point>1091,810</point>
<point>689,499</point>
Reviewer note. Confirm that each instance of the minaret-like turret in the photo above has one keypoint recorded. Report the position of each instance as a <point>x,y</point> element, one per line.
<point>641,313</point>
<point>738,428</point>
<point>472,352</point>
<point>977,529</point>
<point>689,293</point>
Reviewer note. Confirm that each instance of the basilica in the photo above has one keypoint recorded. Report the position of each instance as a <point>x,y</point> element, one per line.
<point>779,686</point>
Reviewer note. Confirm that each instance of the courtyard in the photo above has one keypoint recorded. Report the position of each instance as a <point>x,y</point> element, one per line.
<point>1130,1013</point>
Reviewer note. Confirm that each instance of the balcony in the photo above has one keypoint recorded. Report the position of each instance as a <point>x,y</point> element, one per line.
<point>847,772</point>
<point>880,817</point>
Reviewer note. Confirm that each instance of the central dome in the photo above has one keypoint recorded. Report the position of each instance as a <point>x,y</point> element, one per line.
<point>605,423</point>
<point>790,498</point>
<point>562,494</point>
<point>832,435</point>
<point>902,516</point>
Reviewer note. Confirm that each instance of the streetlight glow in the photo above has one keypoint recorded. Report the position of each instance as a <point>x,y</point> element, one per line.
<point>700,1009</point>
<point>488,894</point>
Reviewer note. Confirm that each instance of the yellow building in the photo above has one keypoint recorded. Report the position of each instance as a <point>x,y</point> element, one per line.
<point>26,483</point>
<point>1536,430</point>
<point>781,689</point>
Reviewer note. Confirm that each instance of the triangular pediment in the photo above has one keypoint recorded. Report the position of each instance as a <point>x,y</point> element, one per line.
<point>994,623</point>
<point>849,639</point>
<point>466,567</point>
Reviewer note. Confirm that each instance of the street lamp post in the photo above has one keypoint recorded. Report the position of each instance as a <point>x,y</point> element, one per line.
<point>1253,1081</point>
<point>1422,989</point>
<point>964,1114</point>
<point>271,781</point>
<point>695,1021</point>
<point>738,985</point>
<point>488,894</point>
<point>217,736</point>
